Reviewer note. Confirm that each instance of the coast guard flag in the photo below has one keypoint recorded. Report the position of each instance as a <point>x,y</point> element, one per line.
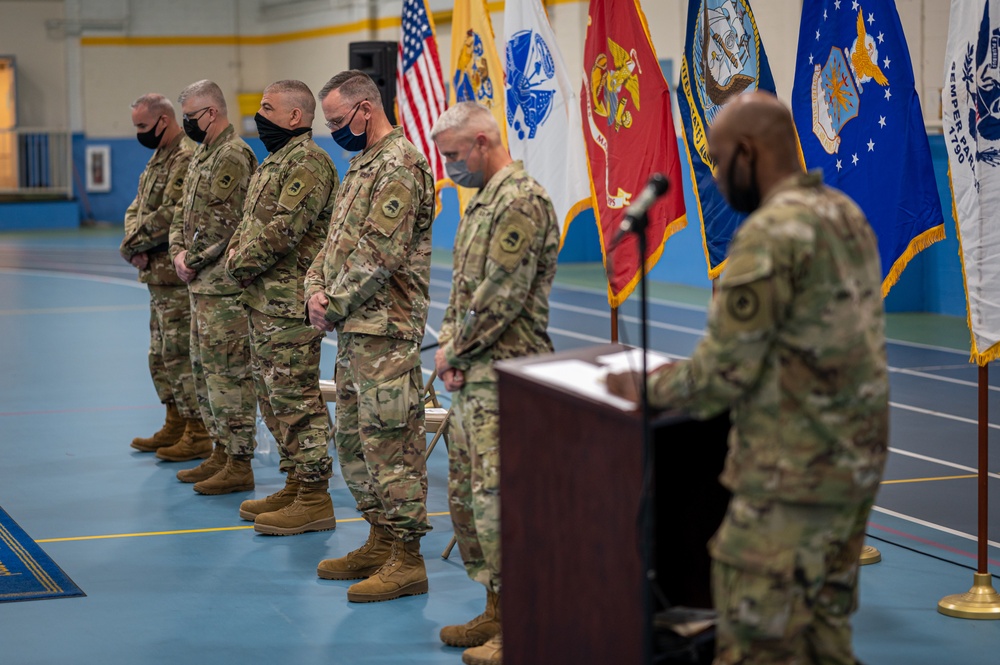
<point>420,97</point>
<point>543,110</point>
<point>476,69</point>
<point>859,120</point>
<point>971,110</point>
<point>629,134</point>
<point>723,57</point>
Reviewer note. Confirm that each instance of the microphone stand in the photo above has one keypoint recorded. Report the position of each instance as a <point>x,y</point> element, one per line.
<point>646,519</point>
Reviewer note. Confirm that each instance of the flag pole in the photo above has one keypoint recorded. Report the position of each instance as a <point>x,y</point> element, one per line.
<point>982,600</point>
<point>614,325</point>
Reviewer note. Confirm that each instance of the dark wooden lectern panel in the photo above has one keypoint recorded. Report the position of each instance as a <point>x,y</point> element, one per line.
<point>572,471</point>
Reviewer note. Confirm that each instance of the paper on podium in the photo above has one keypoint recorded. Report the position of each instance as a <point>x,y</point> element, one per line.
<point>631,361</point>
<point>580,377</point>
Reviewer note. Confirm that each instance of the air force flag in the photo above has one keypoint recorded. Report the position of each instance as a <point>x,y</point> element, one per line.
<point>971,110</point>
<point>544,128</point>
<point>859,119</point>
<point>723,57</point>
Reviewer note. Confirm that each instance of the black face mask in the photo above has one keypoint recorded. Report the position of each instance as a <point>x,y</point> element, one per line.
<point>149,139</point>
<point>743,199</point>
<point>274,136</point>
<point>194,132</point>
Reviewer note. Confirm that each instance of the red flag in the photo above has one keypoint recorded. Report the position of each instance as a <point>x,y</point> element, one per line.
<point>420,96</point>
<point>629,131</point>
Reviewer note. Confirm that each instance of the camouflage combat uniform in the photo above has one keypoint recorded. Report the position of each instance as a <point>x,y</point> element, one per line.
<point>147,226</point>
<point>506,249</point>
<point>286,222</point>
<point>796,348</point>
<point>214,191</point>
<point>375,270</point>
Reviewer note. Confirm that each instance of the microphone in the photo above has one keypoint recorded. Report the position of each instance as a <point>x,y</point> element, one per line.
<point>635,214</point>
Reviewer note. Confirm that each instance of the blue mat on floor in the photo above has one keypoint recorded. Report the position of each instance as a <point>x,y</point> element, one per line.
<point>26,572</point>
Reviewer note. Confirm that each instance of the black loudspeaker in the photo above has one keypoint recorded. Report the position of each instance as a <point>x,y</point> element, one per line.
<point>378,60</point>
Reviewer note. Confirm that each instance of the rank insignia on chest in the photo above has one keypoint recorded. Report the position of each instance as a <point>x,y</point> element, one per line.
<point>392,207</point>
<point>179,183</point>
<point>226,181</point>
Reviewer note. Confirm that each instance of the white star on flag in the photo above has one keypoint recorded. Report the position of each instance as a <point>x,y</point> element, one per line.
<point>854,159</point>
<point>871,145</point>
<point>887,94</point>
<point>839,166</point>
<point>871,18</point>
<point>881,121</point>
<point>886,62</point>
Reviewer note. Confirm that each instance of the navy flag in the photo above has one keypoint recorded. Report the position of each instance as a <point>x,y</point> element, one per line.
<point>859,120</point>
<point>723,57</point>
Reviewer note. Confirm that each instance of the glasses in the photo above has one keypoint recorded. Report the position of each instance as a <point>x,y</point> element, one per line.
<point>334,124</point>
<point>190,116</point>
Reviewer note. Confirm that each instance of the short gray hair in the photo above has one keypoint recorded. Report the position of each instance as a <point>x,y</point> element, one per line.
<point>355,86</point>
<point>467,117</point>
<point>208,90</point>
<point>299,92</point>
<point>155,103</point>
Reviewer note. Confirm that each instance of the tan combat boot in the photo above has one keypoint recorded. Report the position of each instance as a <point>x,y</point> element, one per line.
<point>490,653</point>
<point>403,574</point>
<point>477,631</point>
<point>312,510</point>
<point>236,476</point>
<point>196,443</point>
<point>169,434</point>
<point>362,562</point>
<point>251,508</point>
<point>206,469</point>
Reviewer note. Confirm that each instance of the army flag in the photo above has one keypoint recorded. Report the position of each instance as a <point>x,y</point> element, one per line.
<point>723,57</point>
<point>859,119</point>
<point>476,70</point>
<point>971,112</point>
<point>543,110</point>
<point>629,134</point>
<point>420,96</point>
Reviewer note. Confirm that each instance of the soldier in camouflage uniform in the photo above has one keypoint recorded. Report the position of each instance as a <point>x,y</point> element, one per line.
<point>506,250</point>
<point>147,225</point>
<point>214,192</point>
<point>795,348</point>
<point>370,283</point>
<point>285,223</point>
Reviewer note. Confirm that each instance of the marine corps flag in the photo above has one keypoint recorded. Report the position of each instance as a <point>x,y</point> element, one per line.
<point>723,57</point>
<point>971,105</point>
<point>476,69</point>
<point>629,132</point>
<point>543,110</point>
<point>859,120</point>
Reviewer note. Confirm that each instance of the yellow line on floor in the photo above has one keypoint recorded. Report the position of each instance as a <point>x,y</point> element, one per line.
<point>175,533</point>
<point>923,480</point>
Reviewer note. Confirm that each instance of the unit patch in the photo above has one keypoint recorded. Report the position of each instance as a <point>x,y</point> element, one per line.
<point>511,241</point>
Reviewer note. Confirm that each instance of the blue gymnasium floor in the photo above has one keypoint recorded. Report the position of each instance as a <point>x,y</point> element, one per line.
<point>174,577</point>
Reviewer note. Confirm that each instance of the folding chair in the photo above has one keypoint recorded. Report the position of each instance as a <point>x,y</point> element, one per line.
<point>436,420</point>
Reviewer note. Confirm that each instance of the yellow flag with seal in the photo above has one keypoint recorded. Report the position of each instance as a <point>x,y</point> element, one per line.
<point>477,73</point>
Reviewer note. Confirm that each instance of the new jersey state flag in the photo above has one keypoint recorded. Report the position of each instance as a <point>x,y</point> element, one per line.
<point>970,101</point>
<point>859,119</point>
<point>629,133</point>
<point>543,110</point>
<point>723,57</point>
<point>476,69</point>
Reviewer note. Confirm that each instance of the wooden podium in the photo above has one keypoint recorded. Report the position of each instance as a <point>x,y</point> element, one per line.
<point>573,535</point>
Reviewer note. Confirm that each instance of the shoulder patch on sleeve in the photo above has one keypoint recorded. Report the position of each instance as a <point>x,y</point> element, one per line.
<point>512,240</point>
<point>225,180</point>
<point>390,208</point>
<point>296,188</point>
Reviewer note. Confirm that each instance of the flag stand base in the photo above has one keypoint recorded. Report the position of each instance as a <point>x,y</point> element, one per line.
<point>980,602</point>
<point>869,555</point>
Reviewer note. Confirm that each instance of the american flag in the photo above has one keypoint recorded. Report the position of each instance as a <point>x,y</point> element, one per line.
<point>419,89</point>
